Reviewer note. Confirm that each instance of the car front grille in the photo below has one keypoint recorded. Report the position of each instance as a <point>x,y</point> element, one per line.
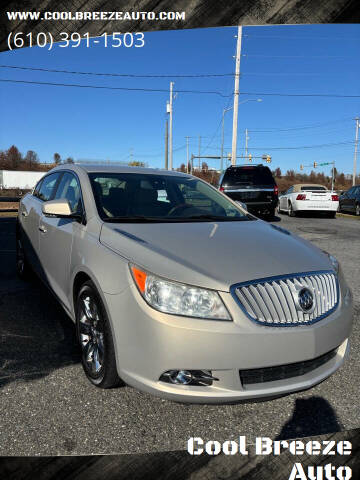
<point>283,372</point>
<point>275,301</point>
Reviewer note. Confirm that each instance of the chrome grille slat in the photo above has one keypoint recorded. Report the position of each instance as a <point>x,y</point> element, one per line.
<point>274,301</point>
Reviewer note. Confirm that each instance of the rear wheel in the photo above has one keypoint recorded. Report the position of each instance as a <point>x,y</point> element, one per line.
<point>291,211</point>
<point>95,337</point>
<point>357,210</point>
<point>332,214</point>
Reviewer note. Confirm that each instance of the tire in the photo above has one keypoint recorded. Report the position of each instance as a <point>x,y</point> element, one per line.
<point>95,338</point>
<point>279,209</point>
<point>357,210</point>
<point>332,214</point>
<point>23,269</point>
<point>271,214</point>
<point>291,211</point>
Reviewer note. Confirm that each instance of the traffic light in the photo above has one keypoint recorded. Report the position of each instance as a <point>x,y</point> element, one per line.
<point>268,159</point>
<point>250,157</point>
<point>301,167</point>
<point>315,164</point>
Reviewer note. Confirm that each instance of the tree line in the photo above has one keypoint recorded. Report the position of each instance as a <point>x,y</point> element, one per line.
<point>13,159</point>
<point>283,181</point>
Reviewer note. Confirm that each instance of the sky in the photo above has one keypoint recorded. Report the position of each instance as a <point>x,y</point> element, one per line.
<point>119,125</point>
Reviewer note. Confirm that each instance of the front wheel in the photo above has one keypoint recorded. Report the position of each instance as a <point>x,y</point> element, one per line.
<point>95,337</point>
<point>23,268</point>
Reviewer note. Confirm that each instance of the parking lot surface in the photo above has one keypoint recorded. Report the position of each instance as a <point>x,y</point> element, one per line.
<point>49,408</point>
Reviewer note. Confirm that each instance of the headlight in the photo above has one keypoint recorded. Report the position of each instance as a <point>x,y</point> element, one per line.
<point>178,298</point>
<point>333,261</point>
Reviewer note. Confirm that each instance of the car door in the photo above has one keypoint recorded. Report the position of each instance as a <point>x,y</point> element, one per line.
<point>30,213</point>
<point>57,236</point>
<point>347,201</point>
<point>356,196</point>
<point>285,198</point>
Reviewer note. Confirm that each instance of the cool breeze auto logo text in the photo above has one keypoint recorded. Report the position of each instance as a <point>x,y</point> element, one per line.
<point>266,446</point>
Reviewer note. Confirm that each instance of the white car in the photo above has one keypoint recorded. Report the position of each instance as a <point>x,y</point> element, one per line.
<point>308,197</point>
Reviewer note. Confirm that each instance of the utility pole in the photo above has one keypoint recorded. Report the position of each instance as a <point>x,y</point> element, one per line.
<point>171,127</point>
<point>356,147</point>
<point>246,142</point>
<point>166,144</point>
<point>236,95</point>
<point>187,154</point>
<point>199,149</point>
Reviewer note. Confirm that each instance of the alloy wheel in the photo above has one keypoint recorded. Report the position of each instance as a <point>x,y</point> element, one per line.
<point>91,335</point>
<point>20,258</point>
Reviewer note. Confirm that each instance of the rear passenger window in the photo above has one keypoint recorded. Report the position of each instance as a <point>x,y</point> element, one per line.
<point>47,186</point>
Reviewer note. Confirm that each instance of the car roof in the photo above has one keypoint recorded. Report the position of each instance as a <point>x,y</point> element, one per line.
<point>98,168</point>
<point>297,186</point>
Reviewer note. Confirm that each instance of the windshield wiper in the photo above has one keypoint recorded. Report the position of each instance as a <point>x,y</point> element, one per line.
<point>217,218</point>
<point>135,219</point>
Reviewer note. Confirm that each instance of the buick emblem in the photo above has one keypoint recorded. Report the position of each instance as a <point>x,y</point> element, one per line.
<point>305,299</point>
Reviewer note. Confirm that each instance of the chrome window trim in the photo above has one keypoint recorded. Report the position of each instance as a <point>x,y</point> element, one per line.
<point>283,277</point>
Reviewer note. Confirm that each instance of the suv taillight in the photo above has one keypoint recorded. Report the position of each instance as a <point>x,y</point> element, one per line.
<point>276,190</point>
<point>221,189</point>
<point>301,196</point>
<point>334,198</point>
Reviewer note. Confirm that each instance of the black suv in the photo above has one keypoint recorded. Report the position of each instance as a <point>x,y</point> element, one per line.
<point>253,185</point>
<point>349,201</point>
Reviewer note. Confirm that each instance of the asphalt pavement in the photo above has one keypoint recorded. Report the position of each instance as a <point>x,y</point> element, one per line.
<point>49,408</point>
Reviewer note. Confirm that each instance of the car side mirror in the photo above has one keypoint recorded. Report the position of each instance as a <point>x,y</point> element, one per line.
<point>58,208</point>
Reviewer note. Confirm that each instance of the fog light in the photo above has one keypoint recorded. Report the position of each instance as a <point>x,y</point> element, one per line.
<point>188,377</point>
<point>182,376</point>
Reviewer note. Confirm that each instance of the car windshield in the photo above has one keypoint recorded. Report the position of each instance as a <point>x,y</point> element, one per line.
<point>139,197</point>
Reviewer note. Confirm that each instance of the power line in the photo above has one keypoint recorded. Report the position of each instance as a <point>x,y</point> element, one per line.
<point>303,127</point>
<point>302,38</point>
<point>301,147</point>
<point>295,56</point>
<point>214,92</point>
<point>130,75</point>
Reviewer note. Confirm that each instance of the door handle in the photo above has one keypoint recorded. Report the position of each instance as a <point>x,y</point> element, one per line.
<point>42,229</point>
<point>24,213</point>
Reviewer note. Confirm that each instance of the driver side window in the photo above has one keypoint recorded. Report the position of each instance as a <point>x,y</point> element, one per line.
<point>69,189</point>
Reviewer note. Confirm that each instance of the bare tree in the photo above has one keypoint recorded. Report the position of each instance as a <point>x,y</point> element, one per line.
<point>14,157</point>
<point>57,158</point>
<point>69,160</point>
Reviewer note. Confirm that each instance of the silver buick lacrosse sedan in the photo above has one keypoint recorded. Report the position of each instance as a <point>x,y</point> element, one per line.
<point>177,290</point>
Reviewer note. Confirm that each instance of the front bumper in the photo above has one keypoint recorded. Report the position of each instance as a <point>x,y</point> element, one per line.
<point>148,343</point>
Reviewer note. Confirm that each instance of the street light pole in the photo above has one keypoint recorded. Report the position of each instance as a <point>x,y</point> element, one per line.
<point>246,142</point>
<point>356,147</point>
<point>223,125</point>
<point>171,127</point>
<point>222,137</point>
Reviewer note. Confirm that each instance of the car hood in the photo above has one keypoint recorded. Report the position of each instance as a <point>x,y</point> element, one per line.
<point>213,255</point>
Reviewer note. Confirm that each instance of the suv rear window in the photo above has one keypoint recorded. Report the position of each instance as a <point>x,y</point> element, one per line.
<point>248,176</point>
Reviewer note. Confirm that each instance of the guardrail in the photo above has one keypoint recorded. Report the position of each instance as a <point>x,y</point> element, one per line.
<point>10,199</point>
